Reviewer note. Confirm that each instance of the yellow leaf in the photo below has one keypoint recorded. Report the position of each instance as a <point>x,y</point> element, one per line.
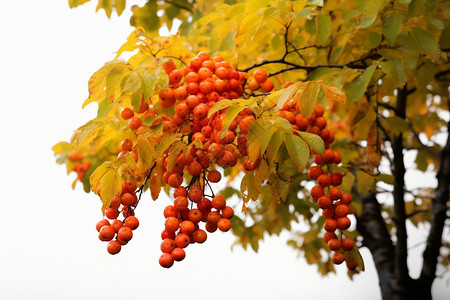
<point>145,151</point>
<point>287,95</point>
<point>110,184</point>
<point>308,99</point>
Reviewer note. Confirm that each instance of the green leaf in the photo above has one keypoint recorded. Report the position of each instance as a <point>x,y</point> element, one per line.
<point>287,95</point>
<point>415,7</point>
<point>298,150</point>
<point>395,69</point>
<point>391,27</point>
<point>314,141</point>
<point>356,88</point>
<point>365,182</point>
<point>308,99</point>
<point>386,178</point>
<point>323,28</point>
<point>371,12</point>
<point>421,160</point>
<point>250,187</point>
<point>426,41</point>
<point>397,125</point>
<point>275,144</point>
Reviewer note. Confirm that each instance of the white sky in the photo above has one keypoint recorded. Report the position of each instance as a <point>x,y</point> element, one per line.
<point>49,247</point>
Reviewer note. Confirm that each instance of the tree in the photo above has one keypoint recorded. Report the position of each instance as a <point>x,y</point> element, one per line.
<point>389,59</point>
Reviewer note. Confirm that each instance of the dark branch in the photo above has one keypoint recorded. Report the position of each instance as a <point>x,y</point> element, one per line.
<point>398,170</point>
<point>438,216</point>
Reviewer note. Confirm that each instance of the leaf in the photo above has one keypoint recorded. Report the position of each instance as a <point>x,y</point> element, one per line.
<point>314,141</point>
<point>391,27</point>
<point>426,41</point>
<point>274,144</point>
<point>323,28</point>
<point>229,117</point>
<point>250,187</point>
<point>145,152</point>
<point>397,125</point>
<point>287,95</point>
<point>356,88</point>
<point>365,182</point>
<point>333,93</point>
<point>386,178</point>
<point>298,150</point>
<point>371,12</point>
<point>395,69</point>
<point>132,43</point>
<point>347,182</point>
<point>75,3</point>
<point>110,186</point>
<point>165,143</point>
<point>308,99</point>
<point>155,181</point>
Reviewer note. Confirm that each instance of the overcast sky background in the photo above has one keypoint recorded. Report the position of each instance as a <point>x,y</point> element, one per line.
<point>49,247</point>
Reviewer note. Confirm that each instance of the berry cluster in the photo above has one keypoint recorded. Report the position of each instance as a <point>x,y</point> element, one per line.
<point>121,230</point>
<point>181,227</point>
<point>335,205</point>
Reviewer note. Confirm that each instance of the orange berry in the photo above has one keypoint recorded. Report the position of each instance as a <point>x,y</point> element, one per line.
<point>134,123</point>
<point>126,113</point>
<point>106,233</point>
<point>127,199</point>
<point>112,213</point>
<point>347,244</point>
<point>195,194</point>
<point>335,193</point>
<point>166,260</point>
<point>172,224</point>
<point>351,265</point>
<point>175,77</point>
<point>214,176</point>
<point>343,223</point>
<point>210,226</point>
<point>334,244</point>
<point>253,84</point>
<point>341,211</point>
<point>260,75</point>
<point>324,202</point>
<point>323,180</point>
<point>169,67</point>
<point>199,236</point>
<point>167,245</point>
<point>182,240</point>
<point>335,179</point>
<point>175,180</point>
<point>227,212</point>
<point>314,172</point>
<point>195,215</point>
<point>113,247</point>
<point>170,211</point>
<point>318,110</point>
<point>327,236</point>
<point>132,222</point>
<point>178,254</point>
<point>330,225</point>
<point>101,223</point>
<point>338,258</point>
<point>125,234</point>
<point>346,198</point>
<point>316,192</point>
<point>117,224</point>
<point>214,216</point>
<point>267,85</point>
<point>187,227</point>
<point>224,224</point>
<point>129,186</point>
<point>218,202</point>
<point>181,203</point>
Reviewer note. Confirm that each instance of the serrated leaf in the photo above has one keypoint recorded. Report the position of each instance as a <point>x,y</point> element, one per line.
<point>110,185</point>
<point>132,43</point>
<point>229,117</point>
<point>145,152</point>
<point>250,187</point>
<point>391,27</point>
<point>165,143</point>
<point>426,41</point>
<point>395,69</point>
<point>298,150</point>
<point>371,12</point>
<point>333,93</point>
<point>275,144</point>
<point>323,28</point>
<point>287,95</point>
<point>314,141</point>
<point>308,99</point>
<point>356,88</point>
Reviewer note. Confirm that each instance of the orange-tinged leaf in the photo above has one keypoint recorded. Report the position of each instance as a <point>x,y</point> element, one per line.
<point>333,93</point>
<point>155,181</point>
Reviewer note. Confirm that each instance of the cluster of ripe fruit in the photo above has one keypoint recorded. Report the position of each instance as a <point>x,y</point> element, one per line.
<point>121,230</point>
<point>192,93</point>
<point>335,205</point>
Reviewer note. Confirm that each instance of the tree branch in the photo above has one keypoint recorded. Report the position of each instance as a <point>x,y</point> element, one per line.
<point>376,237</point>
<point>398,170</point>
<point>438,216</point>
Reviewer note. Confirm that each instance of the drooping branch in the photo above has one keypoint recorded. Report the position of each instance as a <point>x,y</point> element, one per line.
<point>398,170</point>
<point>438,217</point>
